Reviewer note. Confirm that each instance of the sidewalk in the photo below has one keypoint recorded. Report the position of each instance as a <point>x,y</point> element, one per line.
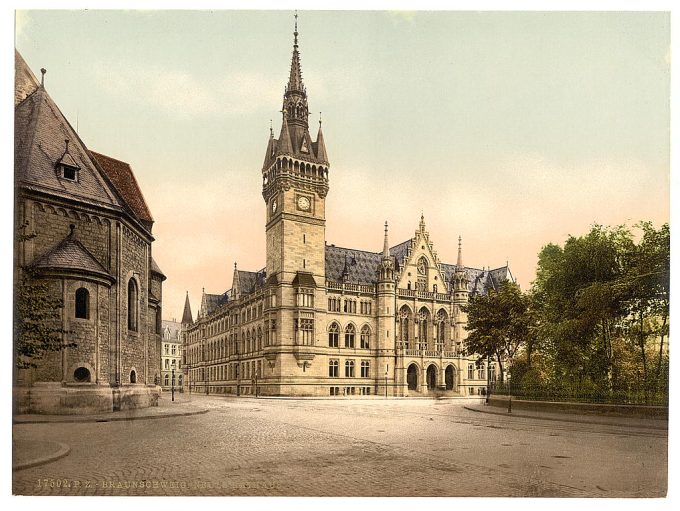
<point>166,408</point>
<point>604,420</point>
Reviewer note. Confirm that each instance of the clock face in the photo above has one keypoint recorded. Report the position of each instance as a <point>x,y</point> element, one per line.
<point>275,206</point>
<point>303,203</point>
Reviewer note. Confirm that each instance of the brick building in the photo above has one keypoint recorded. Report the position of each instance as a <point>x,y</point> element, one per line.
<point>326,320</point>
<point>92,243</point>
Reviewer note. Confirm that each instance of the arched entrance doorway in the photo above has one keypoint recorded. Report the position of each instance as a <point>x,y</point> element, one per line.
<point>449,377</point>
<point>412,377</point>
<point>431,377</point>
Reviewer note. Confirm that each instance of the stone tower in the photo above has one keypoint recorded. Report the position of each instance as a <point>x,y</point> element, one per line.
<point>460,295</point>
<point>294,188</point>
<point>385,340</point>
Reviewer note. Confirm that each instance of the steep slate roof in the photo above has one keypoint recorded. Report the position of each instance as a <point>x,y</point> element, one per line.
<point>25,82</point>
<point>361,266</point>
<point>40,131</point>
<point>70,255</point>
<point>213,302</point>
<point>121,175</point>
<point>155,268</point>
<point>172,327</point>
<point>251,280</point>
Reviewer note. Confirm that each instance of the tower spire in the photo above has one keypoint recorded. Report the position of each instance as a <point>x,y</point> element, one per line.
<point>187,318</point>
<point>459,262</point>
<point>295,78</point>
<point>386,244</point>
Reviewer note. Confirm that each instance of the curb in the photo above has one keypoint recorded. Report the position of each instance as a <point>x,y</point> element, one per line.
<point>64,450</point>
<point>112,419</point>
<point>566,419</point>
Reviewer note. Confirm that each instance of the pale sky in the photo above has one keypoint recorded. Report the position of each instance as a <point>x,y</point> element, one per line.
<point>512,130</point>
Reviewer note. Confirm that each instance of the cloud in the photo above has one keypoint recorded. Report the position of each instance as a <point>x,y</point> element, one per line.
<point>180,94</point>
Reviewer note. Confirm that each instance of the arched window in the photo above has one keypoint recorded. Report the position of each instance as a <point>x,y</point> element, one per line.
<point>404,327</point>
<point>423,320</point>
<point>333,334</point>
<point>440,337</point>
<point>167,380</point>
<point>350,332</point>
<point>82,303</point>
<point>133,376</point>
<point>365,337</point>
<point>133,309</point>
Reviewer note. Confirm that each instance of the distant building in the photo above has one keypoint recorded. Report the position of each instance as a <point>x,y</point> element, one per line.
<point>171,356</point>
<point>329,321</point>
<point>92,244</point>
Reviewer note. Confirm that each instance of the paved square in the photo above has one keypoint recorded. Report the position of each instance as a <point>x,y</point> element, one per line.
<point>374,447</point>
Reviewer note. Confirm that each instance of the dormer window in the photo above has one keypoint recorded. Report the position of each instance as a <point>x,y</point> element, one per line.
<point>68,172</point>
<point>67,168</point>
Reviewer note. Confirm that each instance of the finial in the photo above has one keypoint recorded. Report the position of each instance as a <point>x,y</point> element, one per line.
<point>319,119</point>
<point>66,141</point>
<point>296,30</point>
<point>385,226</point>
<point>386,244</point>
<point>271,128</point>
<point>234,265</point>
<point>459,262</point>
<point>72,228</point>
<point>42,78</point>
<point>460,239</point>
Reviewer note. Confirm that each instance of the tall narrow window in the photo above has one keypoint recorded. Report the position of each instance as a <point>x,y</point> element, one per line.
<point>365,337</point>
<point>133,308</point>
<point>333,333</point>
<point>82,303</point>
<point>350,332</point>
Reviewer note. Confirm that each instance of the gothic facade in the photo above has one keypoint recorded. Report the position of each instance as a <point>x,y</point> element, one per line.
<point>88,237</point>
<point>321,320</point>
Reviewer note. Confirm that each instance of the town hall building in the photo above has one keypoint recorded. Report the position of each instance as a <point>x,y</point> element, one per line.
<point>322,320</point>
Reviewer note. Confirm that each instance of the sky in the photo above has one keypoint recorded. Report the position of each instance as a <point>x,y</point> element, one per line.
<point>510,129</point>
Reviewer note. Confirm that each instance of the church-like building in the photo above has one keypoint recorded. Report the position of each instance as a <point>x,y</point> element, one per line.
<point>321,320</point>
<point>86,234</point>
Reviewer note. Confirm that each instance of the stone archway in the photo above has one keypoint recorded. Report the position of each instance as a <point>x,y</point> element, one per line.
<point>450,377</point>
<point>431,377</point>
<point>412,377</point>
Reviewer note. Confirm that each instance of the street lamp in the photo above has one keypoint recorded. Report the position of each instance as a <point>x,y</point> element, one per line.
<point>172,384</point>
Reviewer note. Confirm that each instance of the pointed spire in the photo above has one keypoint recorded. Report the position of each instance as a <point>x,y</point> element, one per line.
<point>459,262</point>
<point>295,78</point>
<point>386,244</point>
<point>187,318</point>
<point>284,145</point>
<point>320,144</point>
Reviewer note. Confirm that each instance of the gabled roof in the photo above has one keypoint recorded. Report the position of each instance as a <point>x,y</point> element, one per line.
<point>70,255</point>
<point>172,329</point>
<point>121,175</point>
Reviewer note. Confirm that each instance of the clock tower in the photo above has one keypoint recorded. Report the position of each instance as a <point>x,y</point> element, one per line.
<point>294,188</point>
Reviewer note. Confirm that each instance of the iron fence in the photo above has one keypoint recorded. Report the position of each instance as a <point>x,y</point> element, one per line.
<point>628,395</point>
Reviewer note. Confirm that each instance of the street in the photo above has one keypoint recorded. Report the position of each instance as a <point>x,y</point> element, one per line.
<point>417,447</point>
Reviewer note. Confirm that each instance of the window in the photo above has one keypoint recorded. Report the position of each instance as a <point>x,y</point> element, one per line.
<point>166,349</point>
<point>365,368</point>
<point>334,304</point>
<point>349,336</point>
<point>335,391</point>
<point>305,331</point>
<point>132,305</point>
<point>333,368</point>
<point>174,349</point>
<point>82,303</point>
<point>69,172</point>
<point>167,364</point>
<point>365,307</point>
<point>480,372</point>
<point>133,376</point>
<point>404,325</point>
<point>333,332</point>
<point>349,369</point>
<point>471,371</point>
<point>365,391</point>
<point>167,380</point>
<point>423,320</point>
<point>365,337</point>
<point>350,306</point>
<point>81,375</point>
<point>305,298</point>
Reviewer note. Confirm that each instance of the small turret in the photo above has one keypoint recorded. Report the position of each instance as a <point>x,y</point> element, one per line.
<point>460,278</point>
<point>187,318</point>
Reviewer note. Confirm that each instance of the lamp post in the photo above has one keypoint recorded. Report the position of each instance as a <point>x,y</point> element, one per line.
<point>488,379</point>
<point>172,384</point>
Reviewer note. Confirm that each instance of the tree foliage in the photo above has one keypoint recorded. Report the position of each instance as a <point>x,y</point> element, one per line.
<point>500,323</point>
<point>37,326</point>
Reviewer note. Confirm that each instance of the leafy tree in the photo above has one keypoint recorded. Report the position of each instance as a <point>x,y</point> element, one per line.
<point>499,323</point>
<point>37,325</point>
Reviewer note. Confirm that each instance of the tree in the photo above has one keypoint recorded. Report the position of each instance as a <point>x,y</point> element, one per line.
<point>579,300</point>
<point>37,325</point>
<point>499,323</point>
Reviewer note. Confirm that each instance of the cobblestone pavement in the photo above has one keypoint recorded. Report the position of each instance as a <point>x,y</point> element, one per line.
<point>342,448</point>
